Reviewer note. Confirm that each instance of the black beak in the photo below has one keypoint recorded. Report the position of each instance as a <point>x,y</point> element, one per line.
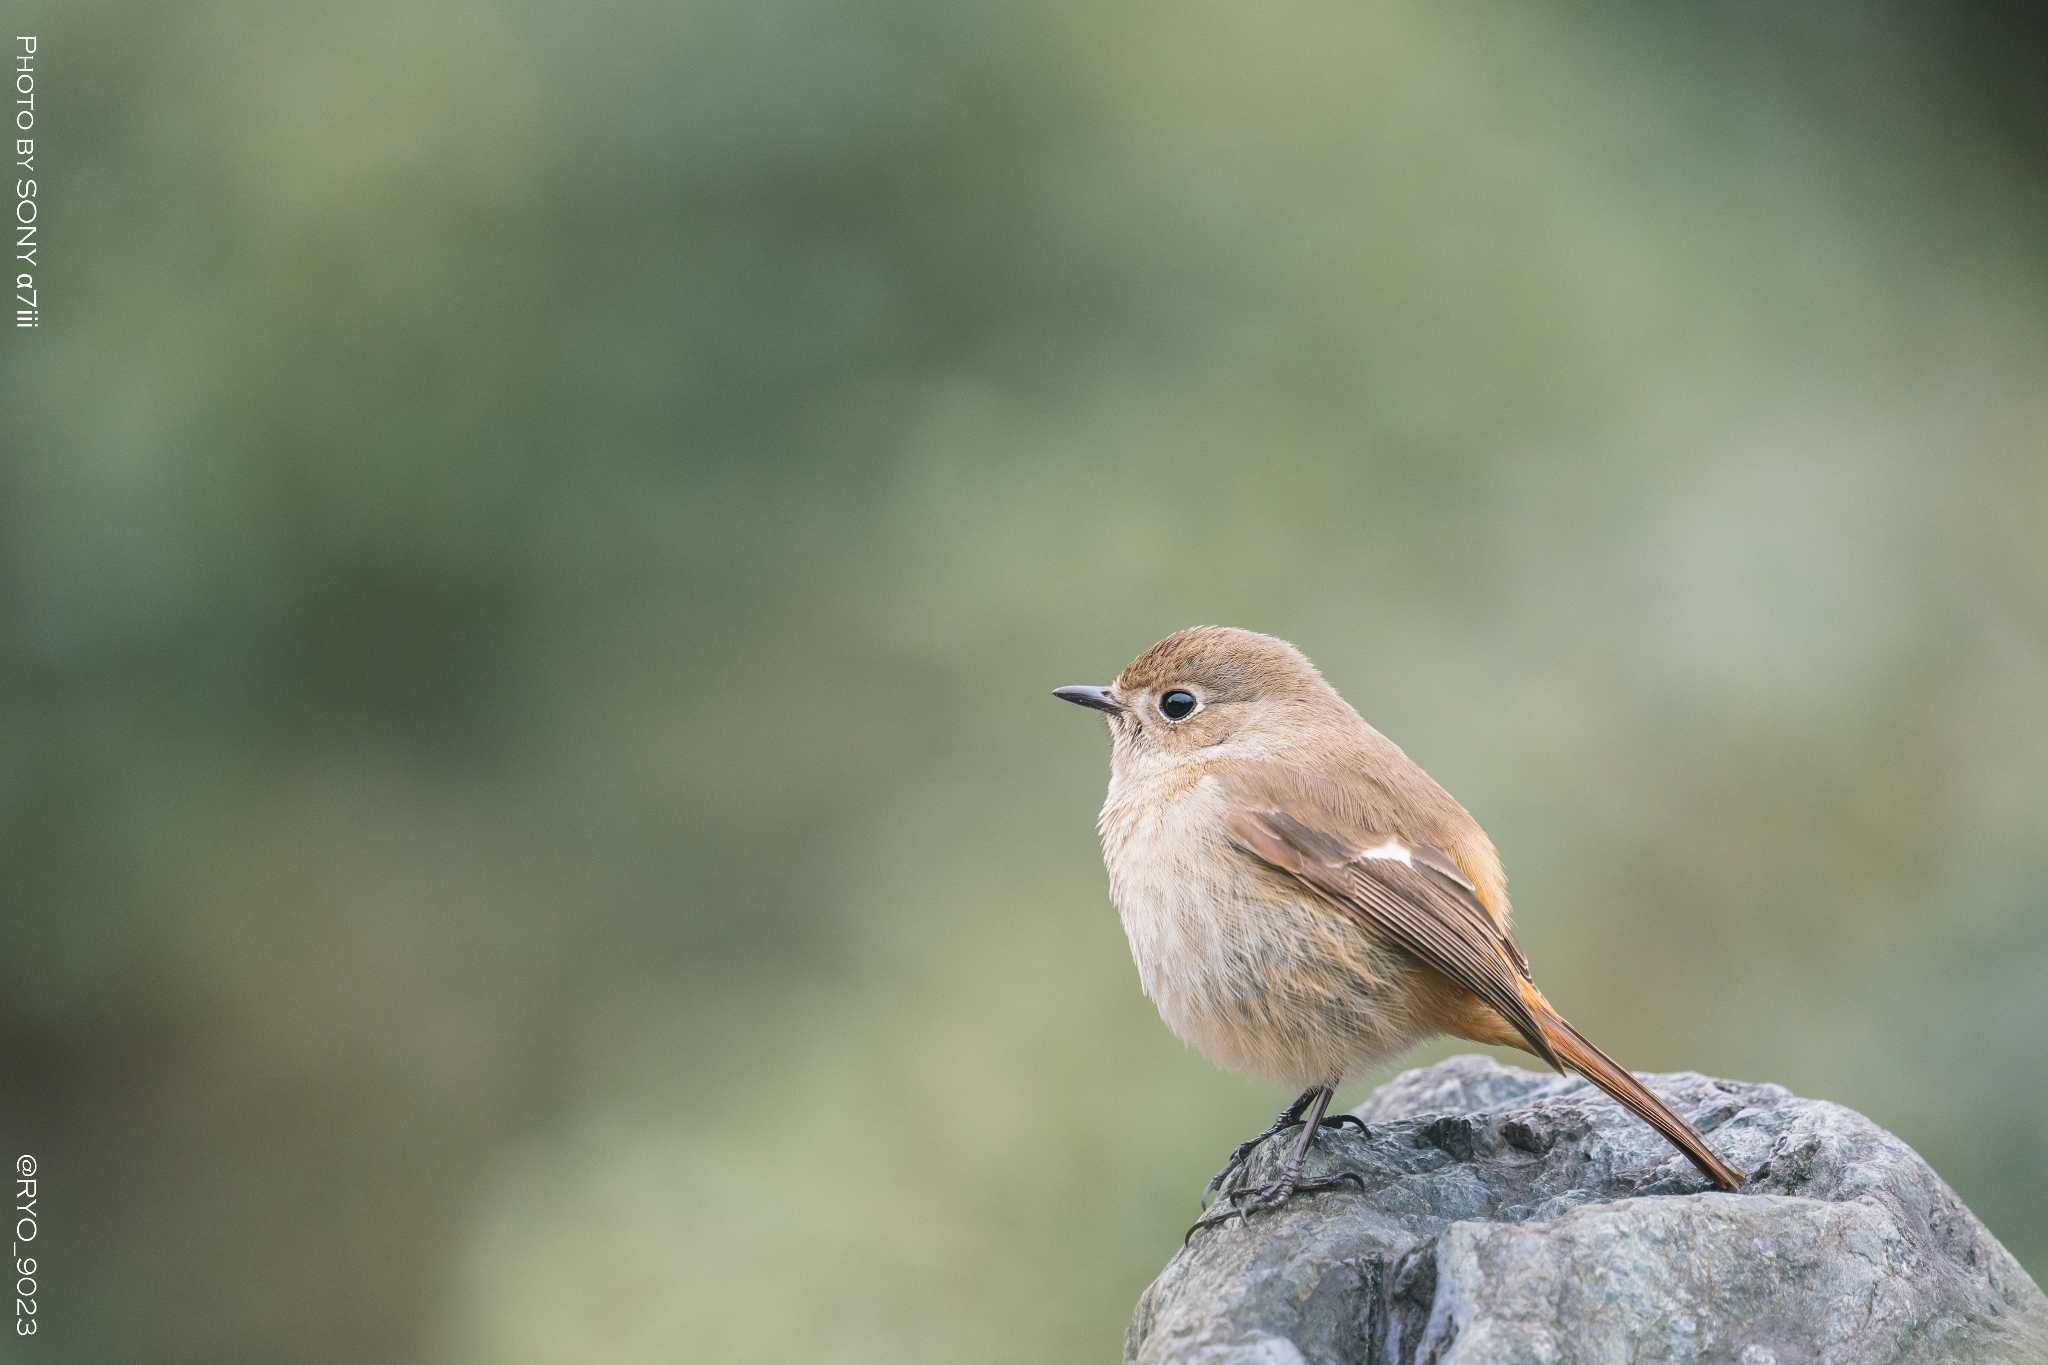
<point>1081,695</point>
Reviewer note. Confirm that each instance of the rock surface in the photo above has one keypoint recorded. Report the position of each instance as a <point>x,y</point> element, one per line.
<point>1513,1217</point>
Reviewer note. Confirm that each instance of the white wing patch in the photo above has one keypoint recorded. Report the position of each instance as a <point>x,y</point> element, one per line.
<point>1393,850</point>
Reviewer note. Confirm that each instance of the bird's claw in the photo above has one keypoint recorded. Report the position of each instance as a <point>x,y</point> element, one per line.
<point>1244,1203</point>
<point>1238,1156</point>
<point>1242,1153</point>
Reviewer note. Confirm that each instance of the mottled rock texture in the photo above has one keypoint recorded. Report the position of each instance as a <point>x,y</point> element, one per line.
<point>1512,1217</point>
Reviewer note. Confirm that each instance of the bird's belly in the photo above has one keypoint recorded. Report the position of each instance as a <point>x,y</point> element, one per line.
<point>1254,975</point>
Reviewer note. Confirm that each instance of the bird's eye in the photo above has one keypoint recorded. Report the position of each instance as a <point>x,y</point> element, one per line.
<point>1177,705</point>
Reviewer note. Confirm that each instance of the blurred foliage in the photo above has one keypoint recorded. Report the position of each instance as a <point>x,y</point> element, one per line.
<point>534,540</point>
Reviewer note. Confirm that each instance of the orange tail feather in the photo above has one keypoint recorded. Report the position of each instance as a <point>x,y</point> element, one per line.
<point>1579,1054</point>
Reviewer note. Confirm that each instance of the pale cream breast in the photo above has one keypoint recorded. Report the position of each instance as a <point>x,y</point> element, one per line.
<point>1245,966</point>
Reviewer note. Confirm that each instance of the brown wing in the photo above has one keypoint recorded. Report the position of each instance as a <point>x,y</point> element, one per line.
<point>1416,898</point>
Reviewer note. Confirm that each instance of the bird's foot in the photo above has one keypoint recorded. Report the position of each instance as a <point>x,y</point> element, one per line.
<point>1238,1156</point>
<point>1242,1153</point>
<point>1240,1203</point>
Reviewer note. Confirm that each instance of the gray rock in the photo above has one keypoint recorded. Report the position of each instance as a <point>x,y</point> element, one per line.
<point>1513,1217</point>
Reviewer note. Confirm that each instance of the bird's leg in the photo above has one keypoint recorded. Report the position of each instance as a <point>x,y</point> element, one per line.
<point>1288,1117</point>
<point>1242,1153</point>
<point>1290,1183</point>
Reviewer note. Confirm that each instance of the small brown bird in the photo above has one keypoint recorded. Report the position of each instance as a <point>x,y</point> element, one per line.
<point>1301,899</point>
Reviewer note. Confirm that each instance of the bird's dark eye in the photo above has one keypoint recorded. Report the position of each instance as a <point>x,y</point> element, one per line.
<point>1177,705</point>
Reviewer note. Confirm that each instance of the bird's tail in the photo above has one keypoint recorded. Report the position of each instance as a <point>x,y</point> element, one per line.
<point>1579,1054</point>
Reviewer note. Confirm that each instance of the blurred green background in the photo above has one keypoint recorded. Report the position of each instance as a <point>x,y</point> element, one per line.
<point>536,540</point>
